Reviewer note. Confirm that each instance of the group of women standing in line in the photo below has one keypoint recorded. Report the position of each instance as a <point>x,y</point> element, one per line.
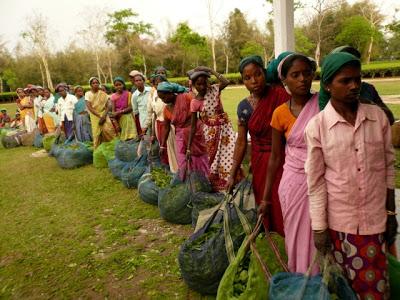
<point>322,164</point>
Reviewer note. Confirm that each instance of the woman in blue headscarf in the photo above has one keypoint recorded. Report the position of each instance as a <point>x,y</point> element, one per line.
<point>177,114</point>
<point>83,128</point>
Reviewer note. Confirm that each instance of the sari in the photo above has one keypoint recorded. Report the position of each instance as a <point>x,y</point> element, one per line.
<point>83,128</point>
<point>28,115</point>
<point>50,118</point>
<point>180,118</point>
<point>293,194</point>
<point>219,136</point>
<point>125,121</point>
<point>105,132</point>
<point>258,121</point>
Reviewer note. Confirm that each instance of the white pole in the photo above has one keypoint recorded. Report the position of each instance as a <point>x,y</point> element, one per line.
<point>283,26</point>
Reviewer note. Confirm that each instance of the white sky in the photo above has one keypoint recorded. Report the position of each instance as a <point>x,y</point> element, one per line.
<point>66,17</point>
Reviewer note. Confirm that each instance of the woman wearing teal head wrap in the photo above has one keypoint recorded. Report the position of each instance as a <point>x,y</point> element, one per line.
<point>272,68</point>
<point>331,65</point>
<point>177,116</point>
<point>120,79</point>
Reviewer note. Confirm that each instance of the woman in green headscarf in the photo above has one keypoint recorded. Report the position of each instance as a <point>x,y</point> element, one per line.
<point>122,109</point>
<point>272,69</point>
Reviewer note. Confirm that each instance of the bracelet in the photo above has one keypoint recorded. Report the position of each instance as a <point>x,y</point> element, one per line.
<point>391,213</point>
<point>163,147</point>
<point>320,231</point>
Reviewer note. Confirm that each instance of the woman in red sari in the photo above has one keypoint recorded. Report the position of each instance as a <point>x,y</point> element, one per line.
<point>255,113</point>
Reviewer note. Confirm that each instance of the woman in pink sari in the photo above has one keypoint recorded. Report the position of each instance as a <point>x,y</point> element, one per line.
<point>177,113</point>
<point>288,123</point>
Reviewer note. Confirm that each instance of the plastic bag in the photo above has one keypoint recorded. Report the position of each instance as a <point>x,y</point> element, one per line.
<point>73,155</point>
<point>132,172</point>
<point>116,166</point>
<point>11,139</point>
<point>38,141</point>
<point>175,202</point>
<point>202,201</point>
<point>48,140</point>
<point>204,257</point>
<point>151,182</point>
<point>104,153</point>
<point>394,277</point>
<point>126,150</point>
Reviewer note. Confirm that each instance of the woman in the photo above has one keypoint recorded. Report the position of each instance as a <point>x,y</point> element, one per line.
<point>40,120</point>
<point>218,130</point>
<point>96,103</point>
<point>255,113</point>
<point>288,124</point>
<point>272,69</point>
<point>50,117</point>
<point>350,176</point>
<point>122,109</point>
<point>83,128</point>
<point>177,113</point>
<point>66,104</point>
<point>155,120</point>
<point>25,106</point>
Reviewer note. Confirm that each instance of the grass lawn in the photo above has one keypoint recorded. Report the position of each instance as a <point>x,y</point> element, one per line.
<point>81,234</point>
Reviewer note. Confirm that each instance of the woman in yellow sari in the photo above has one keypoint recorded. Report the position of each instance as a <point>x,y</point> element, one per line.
<point>25,105</point>
<point>97,104</point>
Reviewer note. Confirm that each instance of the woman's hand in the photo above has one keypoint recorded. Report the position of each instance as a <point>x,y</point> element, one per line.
<point>230,185</point>
<point>263,208</point>
<point>162,150</point>
<point>322,241</point>
<point>391,229</point>
<point>102,120</point>
<point>188,155</point>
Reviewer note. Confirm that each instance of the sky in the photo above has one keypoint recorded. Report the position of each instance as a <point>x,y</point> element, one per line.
<point>67,17</point>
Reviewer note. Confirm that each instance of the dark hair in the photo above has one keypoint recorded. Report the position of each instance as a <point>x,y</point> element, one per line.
<point>352,50</point>
<point>289,61</point>
<point>353,63</point>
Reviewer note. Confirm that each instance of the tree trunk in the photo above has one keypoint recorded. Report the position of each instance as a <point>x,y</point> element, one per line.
<point>47,72</point>
<point>318,52</point>
<point>226,61</point>
<point>41,72</point>
<point>98,65</point>
<point>1,84</point>
<point>371,42</point>
<point>213,53</point>
<point>144,64</point>
<point>110,66</point>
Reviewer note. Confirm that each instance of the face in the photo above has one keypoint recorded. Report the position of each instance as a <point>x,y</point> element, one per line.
<point>138,82</point>
<point>167,98</point>
<point>62,91</point>
<point>21,93</point>
<point>95,84</point>
<point>33,92</point>
<point>157,81</point>
<point>162,72</point>
<point>201,85</point>
<point>254,78</point>
<point>46,94</point>
<point>299,78</point>
<point>41,92</point>
<point>104,89</point>
<point>345,86</point>
<point>79,93</point>
<point>119,87</point>
<point>17,116</point>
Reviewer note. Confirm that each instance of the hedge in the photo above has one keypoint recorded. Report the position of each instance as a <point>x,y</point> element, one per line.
<point>373,70</point>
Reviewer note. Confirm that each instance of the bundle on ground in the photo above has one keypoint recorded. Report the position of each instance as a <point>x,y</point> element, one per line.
<point>48,140</point>
<point>28,138</point>
<point>38,141</point>
<point>11,139</point>
<point>116,166</point>
<point>73,155</point>
<point>132,171</point>
<point>151,182</point>
<point>104,153</point>
<point>203,258</point>
<point>174,202</point>
<point>202,201</point>
<point>126,150</point>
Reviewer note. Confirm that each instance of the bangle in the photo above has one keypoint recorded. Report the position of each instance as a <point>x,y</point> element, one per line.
<point>320,231</point>
<point>163,147</point>
<point>391,213</point>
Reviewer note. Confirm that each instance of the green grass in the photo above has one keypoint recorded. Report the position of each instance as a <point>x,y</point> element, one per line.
<point>81,234</point>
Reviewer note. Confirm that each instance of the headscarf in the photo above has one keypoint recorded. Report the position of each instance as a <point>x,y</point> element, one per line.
<point>170,87</point>
<point>347,49</point>
<point>120,79</point>
<point>193,75</point>
<point>272,68</point>
<point>77,87</point>
<point>161,76</point>
<point>93,78</point>
<point>253,59</point>
<point>279,68</point>
<point>330,66</point>
<point>60,85</point>
<point>19,89</point>
<point>160,68</point>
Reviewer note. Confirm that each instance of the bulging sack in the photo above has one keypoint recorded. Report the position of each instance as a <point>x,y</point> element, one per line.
<point>104,153</point>
<point>203,258</point>
<point>116,166</point>
<point>151,182</point>
<point>73,155</point>
<point>132,172</point>
<point>204,200</point>
<point>126,150</point>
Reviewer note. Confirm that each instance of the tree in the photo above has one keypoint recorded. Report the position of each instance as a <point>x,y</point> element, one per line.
<point>192,46</point>
<point>37,38</point>
<point>303,43</point>
<point>356,31</point>
<point>124,31</point>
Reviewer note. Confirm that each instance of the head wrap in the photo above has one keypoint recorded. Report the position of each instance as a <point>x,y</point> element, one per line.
<point>120,79</point>
<point>272,68</point>
<point>170,87</point>
<point>279,68</point>
<point>347,49</point>
<point>193,75</point>
<point>161,76</point>
<point>160,68</point>
<point>134,73</point>
<point>3,109</point>
<point>93,78</point>
<point>60,85</point>
<point>253,59</point>
<point>19,89</point>
<point>77,87</point>
<point>330,66</point>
